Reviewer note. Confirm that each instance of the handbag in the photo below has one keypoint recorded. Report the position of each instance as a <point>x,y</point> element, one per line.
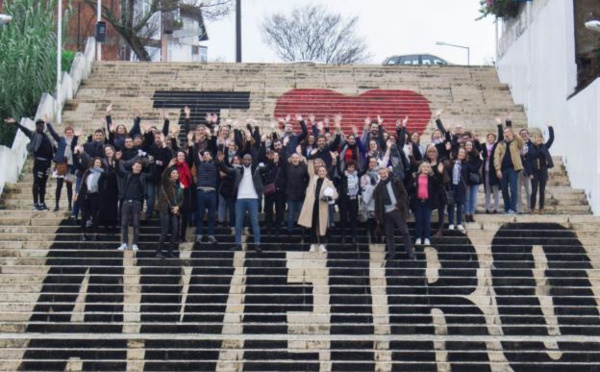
<point>269,189</point>
<point>62,169</point>
<point>474,178</point>
<point>71,178</point>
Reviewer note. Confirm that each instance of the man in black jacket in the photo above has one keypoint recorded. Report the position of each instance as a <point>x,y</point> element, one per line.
<point>162,156</point>
<point>43,151</point>
<point>132,199</point>
<point>391,209</point>
<point>296,175</point>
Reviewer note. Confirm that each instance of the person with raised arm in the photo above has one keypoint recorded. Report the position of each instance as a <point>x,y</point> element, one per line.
<point>248,189</point>
<point>508,165</point>
<point>294,139</point>
<point>491,183</point>
<point>42,149</point>
<point>541,161</point>
<point>118,132</point>
<point>169,203</point>
<point>63,158</point>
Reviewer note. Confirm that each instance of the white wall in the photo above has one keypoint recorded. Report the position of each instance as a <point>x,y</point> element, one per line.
<point>541,72</point>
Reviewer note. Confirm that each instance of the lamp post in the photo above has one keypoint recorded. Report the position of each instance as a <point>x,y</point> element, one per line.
<point>59,63</point>
<point>457,46</point>
<point>99,19</point>
<point>238,31</point>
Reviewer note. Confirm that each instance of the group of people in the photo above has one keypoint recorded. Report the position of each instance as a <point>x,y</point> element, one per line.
<point>226,173</point>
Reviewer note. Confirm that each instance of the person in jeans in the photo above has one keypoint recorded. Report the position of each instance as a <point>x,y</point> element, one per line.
<point>64,157</point>
<point>207,173</point>
<point>507,163</point>
<point>349,189</point>
<point>132,199</point>
<point>169,202</point>
<point>391,210</point>
<point>425,189</point>
<point>248,190</point>
<point>458,171</point>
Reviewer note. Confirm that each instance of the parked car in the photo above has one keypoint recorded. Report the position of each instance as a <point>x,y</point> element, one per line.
<point>415,59</point>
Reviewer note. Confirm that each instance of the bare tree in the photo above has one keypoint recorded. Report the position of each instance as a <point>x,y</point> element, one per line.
<point>137,26</point>
<point>312,33</point>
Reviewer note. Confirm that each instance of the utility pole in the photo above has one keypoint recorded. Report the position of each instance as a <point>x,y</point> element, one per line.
<point>238,31</point>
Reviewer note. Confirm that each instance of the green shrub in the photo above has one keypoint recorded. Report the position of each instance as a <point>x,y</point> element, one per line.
<point>27,60</point>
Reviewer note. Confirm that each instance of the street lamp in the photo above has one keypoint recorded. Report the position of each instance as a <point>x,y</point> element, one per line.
<point>458,46</point>
<point>59,63</point>
<point>4,19</point>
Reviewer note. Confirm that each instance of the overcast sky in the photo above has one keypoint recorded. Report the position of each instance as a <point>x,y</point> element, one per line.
<point>388,26</point>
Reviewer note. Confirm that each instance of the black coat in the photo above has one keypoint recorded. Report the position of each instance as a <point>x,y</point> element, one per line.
<point>297,179</point>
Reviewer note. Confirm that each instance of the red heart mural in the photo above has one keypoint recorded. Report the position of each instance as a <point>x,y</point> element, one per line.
<point>391,105</point>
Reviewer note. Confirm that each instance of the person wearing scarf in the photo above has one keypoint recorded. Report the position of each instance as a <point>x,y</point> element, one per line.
<point>169,202</point>
<point>186,183</point>
<point>391,210</point>
<point>89,199</point>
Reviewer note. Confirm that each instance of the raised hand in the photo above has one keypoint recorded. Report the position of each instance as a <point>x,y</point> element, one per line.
<point>174,129</point>
<point>367,121</point>
<point>187,111</point>
<point>337,119</point>
<point>146,127</point>
<point>78,132</point>
<point>172,162</point>
<point>286,140</point>
<point>438,113</point>
<point>354,130</point>
<point>109,108</point>
<point>498,120</point>
<point>320,126</point>
<point>405,121</point>
<point>9,121</point>
<point>165,115</point>
<point>312,118</point>
<point>379,120</point>
<point>299,118</point>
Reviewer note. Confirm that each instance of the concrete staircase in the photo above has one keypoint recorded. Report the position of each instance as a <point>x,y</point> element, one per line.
<point>515,293</point>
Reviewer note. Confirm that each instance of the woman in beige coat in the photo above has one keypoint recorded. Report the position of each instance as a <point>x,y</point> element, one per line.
<point>315,212</point>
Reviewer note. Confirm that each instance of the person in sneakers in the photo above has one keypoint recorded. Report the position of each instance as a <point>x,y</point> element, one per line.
<point>525,176</point>
<point>474,164</point>
<point>186,182</point>
<point>458,173</point>
<point>541,161</point>
<point>391,210</point>
<point>507,163</point>
<point>89,197</point>
<point>42,149</point>
<point>168,203</point>
<point>349,189</point>
<point>425,189</point>
<point>367,185</point>
<point>226,188</point>
<point>63,158</point>
<point>162,156</point>
<point>438,199</point>
<point>207,173</point>
<point>315,210</point>
<point>248,190</point>
<point>491,182</point>
<point>132,200</point>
